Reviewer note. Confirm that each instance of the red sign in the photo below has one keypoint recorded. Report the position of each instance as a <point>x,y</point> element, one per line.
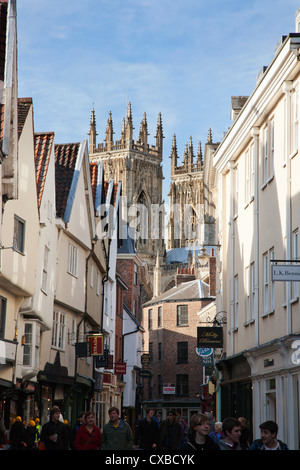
<point>169,389</point>
<point>96,345</point>
<point>120,368</point>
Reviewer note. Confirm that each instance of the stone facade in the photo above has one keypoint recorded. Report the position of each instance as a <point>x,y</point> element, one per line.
<point>192,208</point>
<point>138,166</point>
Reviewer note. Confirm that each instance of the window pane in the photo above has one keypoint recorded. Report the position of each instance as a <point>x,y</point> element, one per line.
<point>27,351</point>
<point>19,233</point>
<point>182,315</point>
<point>2,316</point>
<point>182,352</point>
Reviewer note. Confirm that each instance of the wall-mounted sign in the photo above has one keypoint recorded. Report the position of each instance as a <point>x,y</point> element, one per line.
<point>209,337</point>
<point>96,344</point>
<point>169,389</point>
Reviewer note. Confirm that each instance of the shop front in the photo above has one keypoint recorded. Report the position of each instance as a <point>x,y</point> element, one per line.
<point>235,388</point>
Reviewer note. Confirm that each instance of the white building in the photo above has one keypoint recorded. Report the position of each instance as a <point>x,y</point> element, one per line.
<point>258,164</point>
<point>133,345</point>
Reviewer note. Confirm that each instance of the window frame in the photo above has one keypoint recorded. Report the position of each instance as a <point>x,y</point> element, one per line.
<point>19,234</point>
<point>182,352</point>
<point>179,321</point>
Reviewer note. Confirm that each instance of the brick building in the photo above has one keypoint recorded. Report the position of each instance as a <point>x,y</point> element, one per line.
<point>170,321</point>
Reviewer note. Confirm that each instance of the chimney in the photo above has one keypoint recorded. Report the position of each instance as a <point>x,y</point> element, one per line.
<point>184,275</point>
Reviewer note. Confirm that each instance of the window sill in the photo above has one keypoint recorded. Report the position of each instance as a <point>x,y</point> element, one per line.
<point>267,314</point>
<point>268,181</point>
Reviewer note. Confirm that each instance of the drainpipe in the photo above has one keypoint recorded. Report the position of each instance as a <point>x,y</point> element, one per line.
<point>231,250</point>
<point>255,135</point>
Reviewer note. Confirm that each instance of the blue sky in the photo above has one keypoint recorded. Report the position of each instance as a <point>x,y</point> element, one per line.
<point>183,58</point>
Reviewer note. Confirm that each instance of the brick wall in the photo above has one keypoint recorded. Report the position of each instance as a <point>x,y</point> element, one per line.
<point>125,268</point>
<point>169,335</point>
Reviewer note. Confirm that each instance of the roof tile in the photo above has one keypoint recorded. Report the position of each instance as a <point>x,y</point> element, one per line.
<point>42,150</point>
<point>65,161</point>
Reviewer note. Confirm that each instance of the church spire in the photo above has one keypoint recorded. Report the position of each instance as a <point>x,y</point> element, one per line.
<point>92,133</point>
<point>185,155</point>
<point>129,127</point>
<point>123,134</point>
<point>190,156</point>
<point>174,155</point>
<point>109,134</point>
<point>209,138</point>
<point>199,157</point>
<point>159,136</point>
<point>143,138</point>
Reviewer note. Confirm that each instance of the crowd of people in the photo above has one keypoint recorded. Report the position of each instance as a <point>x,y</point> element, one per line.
<point>150,434</point>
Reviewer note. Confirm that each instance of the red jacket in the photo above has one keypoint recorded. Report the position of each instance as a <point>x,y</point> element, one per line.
<point>85,440</point>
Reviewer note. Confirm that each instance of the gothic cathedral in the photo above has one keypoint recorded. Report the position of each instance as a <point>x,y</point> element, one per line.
<point>138,166</point>
<point>191,221</point>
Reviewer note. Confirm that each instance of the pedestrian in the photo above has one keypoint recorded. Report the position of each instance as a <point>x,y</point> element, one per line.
<point>137,423</point>
<point>38,432</point>
<point>217,434</point>
<point>184,430</point>
<point>169,432</point>
<point>246,438</point>
<point>18,435</point>
<point>158,419</point>
<point>88,436</point>
<point>146,436</point>
<point>69,432</point>
<point>54,434</point>
<point>117,434</point>
<point>211,420</point>
<point>79,422</point>
<point>268,441</point>
<point>31,434</point>
<point>2,433</point>
<point>198,434</point>
<point>232,432</point>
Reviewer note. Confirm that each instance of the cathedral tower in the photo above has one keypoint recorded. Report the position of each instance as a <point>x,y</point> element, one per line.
<point>138,165</point>
<point>192,217</point>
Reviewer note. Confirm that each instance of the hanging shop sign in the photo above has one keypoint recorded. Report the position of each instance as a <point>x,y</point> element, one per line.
<point>120,368</point>
<point>103,361</point>
<point>285,272</point>
<point>209,337</point>
<point>96,344</point>
<point>145,373</point>
<point>204,352</point>
<point>208,360</point>
<point>145,359</point>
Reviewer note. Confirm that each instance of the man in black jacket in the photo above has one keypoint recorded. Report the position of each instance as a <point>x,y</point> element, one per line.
<point>54,434</point>
<point>169,432</point>
<point>147,433</point>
